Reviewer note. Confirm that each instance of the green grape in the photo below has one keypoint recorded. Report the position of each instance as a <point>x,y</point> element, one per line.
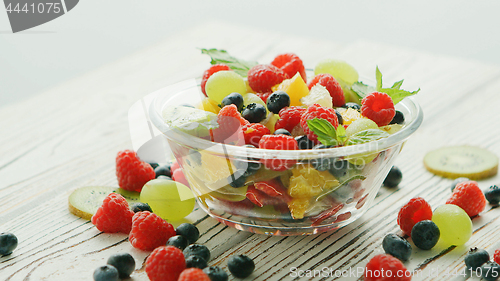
<point>360,125</point>
<point>453,223</point>
<point>338,69</point>
<point>168,199</point>
<point>249,98</point>
<point>223,83</point>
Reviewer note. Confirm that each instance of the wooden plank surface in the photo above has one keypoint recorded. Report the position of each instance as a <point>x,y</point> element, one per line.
<point>68,137</point>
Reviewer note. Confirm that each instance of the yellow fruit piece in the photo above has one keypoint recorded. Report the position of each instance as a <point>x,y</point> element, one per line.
<point>249,89</point>
<point>350,115</point>
<point>271,120</point>
<point>209,105</point>
<point>298,207</point>
<point>307,182</point>
<point>295,87</point>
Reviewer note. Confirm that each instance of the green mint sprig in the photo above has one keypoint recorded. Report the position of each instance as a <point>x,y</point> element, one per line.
<point>326,132</point>
<point>222,56</point>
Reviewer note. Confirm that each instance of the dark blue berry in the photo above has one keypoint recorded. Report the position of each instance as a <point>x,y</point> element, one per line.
<point>339,168</point>
<point>352,105</point>
<point>197,250</point>
<point>250,166</point>
<point>254,113</point>
<point>490,271</point>
<point>277,100</point>
<point>323,163</point>
<point>154,165</point>
<point>178,241</point>
<point>397,247</point>
<point>216,273</point>
<point>425,234</point>
<point>282,132</point>
<point>189,231</point>
<point>240,266</point>
<point>457,181</point>
<point>233,98</point>
<point>237,179</point>
<point>394,177</point>
<point>8,242</point>
<point>475,258</point>
<point>141,207</point>
<point>398,118</point>
<point>492,194</point>
<point>163,170</point>
<point>304,142</point>
<point>339,117</point>
<point>124,263</point>
<point>196,261</point>
<point>106,273</point>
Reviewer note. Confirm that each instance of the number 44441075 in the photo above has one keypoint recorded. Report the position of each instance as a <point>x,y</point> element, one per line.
<point>39,8</point>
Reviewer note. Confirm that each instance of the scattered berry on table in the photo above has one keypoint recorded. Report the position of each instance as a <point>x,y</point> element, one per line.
<point>469,197</point>
<point>240,266</point>
<point>290,64</point>
<point>132,173</point>
<point>454,224</point>
<point>475,258</point>
<point>282,132</point>
<point>165,263</point>
<point>457,181</point>
<point>124,263</point>
<point>113,215</point>
<point>8,242</point>
<point>216,273</point>
<point>189,231</point>
<point>398,118</point>
<point>140,207</point>
<point>154,165</point>
<point>178,176</point>
<point>193,274</point>
<point>178,241</point>
<point>387,263</point>
<point>326,80</point>
<point>197,250</point>
<point>289,118</point>
<point>263,76</point>
<point>106,273</point>
<point>417,209</point>
<point>163,170</point>
<point>425,234</point>
<point>253,132</point>
<point>378,107</point>
<point>317,111</point>
<point>278,142</point>
<point>213,69</point>
<point>149,231</point>
<point>254,112</point>
<point>352,105</point>
<point>233,98</point>
<point>492,194</point>
<point>490,271</point>
<point>397,246</point>
<point>304,142</point>
<point>196,261</point>
<point>496,256</point>
<point>394,177</point>
<point>277,101</point>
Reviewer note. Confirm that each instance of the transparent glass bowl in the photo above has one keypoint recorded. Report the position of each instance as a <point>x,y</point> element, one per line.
<point>304,200</point>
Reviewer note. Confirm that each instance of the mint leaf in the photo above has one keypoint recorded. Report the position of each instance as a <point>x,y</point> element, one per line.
<point>398,95</point>
<point>397,85</point>
<point>324,130</point>
<point>221,56</point>
<point>378,77</point>
<point>366,136</point>
<point>362,90</point>
<point>341,137</point>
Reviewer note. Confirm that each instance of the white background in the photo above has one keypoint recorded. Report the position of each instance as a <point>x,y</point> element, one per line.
<point>98,32</point>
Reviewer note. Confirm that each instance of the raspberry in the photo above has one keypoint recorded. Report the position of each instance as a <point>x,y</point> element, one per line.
<point>279,142</point>
<point>165,263</point>
<point>214,68</point>
<point>385,267</point>
<point>230,122</point>
<point>326,80</point>
<point>317,111</point>
<point>271,187</point>
<point>290,64</point>
<point>149,231</point>
<point>262,199</point>
<point>264,96</point>
<point>192,274</point>
<point>263,76</point>
<point>114,215</point>
<point>253,132</point>
<point>131,172</point>
<point>469,197</point>
<point>179,176</point>
<point>378,107</point>
<point>496,256</point>
<point>417,209</point>
<point>289,118</point>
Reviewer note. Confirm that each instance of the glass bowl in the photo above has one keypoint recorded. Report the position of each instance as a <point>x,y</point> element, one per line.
<point>280,192</point>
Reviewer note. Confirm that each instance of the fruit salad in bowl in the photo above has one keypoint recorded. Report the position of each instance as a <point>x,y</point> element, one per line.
<point>281,150</point>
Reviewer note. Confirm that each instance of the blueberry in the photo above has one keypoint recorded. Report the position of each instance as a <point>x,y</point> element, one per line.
<point>339,117</point>
<point>240,266</point>
<point>339,168</point>
<point>490,271</point>
<point>425,234</point>
<point>233,98</point>
<point>457,181</point>
<point>352,105</point>
<point>196,261</point>
<point>163,170</point>
<point>178,241</point>
<point>8,242</point>
<point>254,113</point>
<point>277,100</point>
<point>282,132</point>
<point>124,263</point>
<point>215,273</point>
<point>394,177</point>
<point>397,247</point>
<point>141,207</point>
<point>197,250</point>
<point>398,118</point>
<point>153,165</point>
<point>323,163</point>
<point>475,258</point>
<point>493,195</point>
<point>304,142</point>
<point>189,231</point>
<point>106,273</point>
<point>249,165</point>
<point>237,180</point>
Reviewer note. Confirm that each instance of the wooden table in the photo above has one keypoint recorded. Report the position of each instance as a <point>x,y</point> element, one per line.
<point>68,137</point>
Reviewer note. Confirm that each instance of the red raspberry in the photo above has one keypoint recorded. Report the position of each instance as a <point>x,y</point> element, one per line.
<point>114,215</point>
<point>253,132</point>
<point>131,172</point>
<point>317,111</point>
<point>193,274</point>
<point>179,176</point>
<point>417,209</point>
<point>326,80</point>
<point>174,166</point>
<point>271,187</point>
<point>289,118</point>
<point>385,267</point>
<point>165,263</point>
<point>264,96</point>
<point>263,76</point>
<point>230,122</point>
<point>279,142</point>
<point>290,64</point>
<point>496,256</point>
<point>213,69</point>
<point>149,231</point>
<point>469,197</point>
<point>378,107</point>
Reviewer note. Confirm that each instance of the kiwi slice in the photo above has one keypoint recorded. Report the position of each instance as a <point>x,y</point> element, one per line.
<point>462,161</point>
<point>85,201</point>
